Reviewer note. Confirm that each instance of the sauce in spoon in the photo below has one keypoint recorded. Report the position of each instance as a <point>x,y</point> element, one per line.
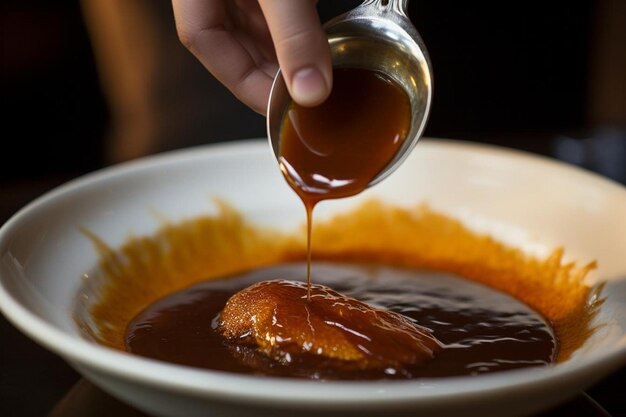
<point>335,149</point>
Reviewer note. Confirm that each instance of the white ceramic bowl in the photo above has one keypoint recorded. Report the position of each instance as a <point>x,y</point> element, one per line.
<point>534,203</point>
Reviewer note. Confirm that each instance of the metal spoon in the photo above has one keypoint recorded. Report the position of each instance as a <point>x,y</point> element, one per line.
<point>376,35</point>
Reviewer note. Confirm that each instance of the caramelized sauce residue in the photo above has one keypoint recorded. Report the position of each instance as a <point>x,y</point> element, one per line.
<point>133,278</point>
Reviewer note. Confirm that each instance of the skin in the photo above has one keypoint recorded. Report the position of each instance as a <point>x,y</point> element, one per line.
<point>244,42</point>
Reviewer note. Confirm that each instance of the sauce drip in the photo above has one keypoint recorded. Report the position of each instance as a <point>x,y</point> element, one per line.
<point>331,151</point>
<point>335,149</point>
<point>480,329</point>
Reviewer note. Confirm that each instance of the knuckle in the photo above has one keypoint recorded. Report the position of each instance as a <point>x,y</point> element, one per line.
<point>192,37</point>
<point>186,36</point>
<point>298,41</point>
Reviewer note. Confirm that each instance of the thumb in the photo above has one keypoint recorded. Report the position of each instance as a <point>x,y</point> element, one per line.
<point>301,47</point>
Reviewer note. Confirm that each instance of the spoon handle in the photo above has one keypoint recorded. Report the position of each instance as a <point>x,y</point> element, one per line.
<point>398,6</point>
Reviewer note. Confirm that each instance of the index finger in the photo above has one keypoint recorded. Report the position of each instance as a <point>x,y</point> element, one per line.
<point>302,48</point>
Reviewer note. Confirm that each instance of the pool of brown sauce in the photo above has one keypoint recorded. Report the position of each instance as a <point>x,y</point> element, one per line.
<point>482,330</point>
<point>412,260</point>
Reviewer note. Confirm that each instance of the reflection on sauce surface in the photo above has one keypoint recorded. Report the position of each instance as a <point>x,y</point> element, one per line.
<point>482,330</point>
<point>277,318</point>
<point>147,273</point>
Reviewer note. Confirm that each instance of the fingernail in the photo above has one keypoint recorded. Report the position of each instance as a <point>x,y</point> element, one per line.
<point>308,87</point>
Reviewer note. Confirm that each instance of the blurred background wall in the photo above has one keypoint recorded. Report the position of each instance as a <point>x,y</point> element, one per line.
<point>88,83</point>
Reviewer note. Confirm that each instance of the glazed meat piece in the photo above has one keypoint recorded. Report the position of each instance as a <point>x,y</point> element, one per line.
<point>277,319</point>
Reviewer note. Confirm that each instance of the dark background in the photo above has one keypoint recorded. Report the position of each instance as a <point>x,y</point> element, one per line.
<point>543,76</point>
<point>520,74</point>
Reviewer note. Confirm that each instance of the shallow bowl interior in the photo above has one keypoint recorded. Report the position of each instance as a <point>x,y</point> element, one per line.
<point>533,203</point>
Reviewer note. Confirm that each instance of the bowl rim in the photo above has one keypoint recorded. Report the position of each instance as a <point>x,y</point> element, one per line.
<point>226,386</point>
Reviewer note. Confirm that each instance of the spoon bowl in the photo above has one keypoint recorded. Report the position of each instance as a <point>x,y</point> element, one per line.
<point>378,36</point>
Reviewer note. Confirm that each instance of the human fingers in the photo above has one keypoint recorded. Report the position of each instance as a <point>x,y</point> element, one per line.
<point>203,27</point>
<point>302,48</point>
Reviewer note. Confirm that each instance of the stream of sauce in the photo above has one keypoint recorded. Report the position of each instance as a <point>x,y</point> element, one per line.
<point>482,330</point>
<point>335,149</point>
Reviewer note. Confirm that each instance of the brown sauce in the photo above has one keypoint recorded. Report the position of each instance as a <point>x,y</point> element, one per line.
<point>335,149</point>
<point>481,330</point>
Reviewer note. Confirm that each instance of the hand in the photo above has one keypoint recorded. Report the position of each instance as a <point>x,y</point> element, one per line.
<point>242,42</point>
